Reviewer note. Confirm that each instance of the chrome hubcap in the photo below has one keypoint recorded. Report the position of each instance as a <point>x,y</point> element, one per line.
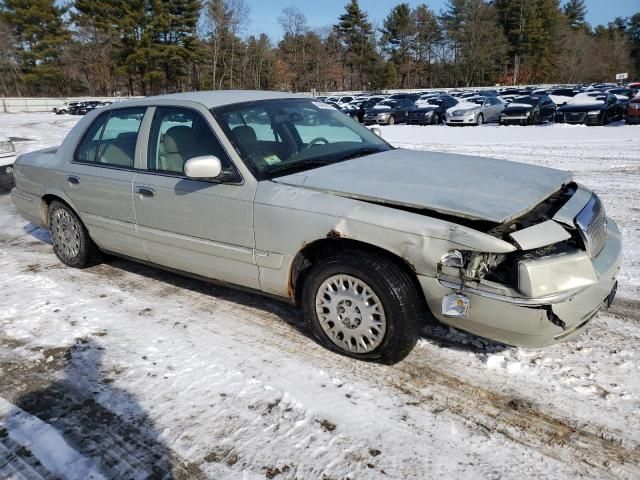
<point>350,313</point>
<point>65,234</point>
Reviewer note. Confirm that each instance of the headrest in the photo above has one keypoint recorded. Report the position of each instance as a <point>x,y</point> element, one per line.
<point>244,134</point>
<point>178,138</point>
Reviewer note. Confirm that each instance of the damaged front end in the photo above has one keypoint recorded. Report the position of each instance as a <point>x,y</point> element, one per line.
<point>567,253</point>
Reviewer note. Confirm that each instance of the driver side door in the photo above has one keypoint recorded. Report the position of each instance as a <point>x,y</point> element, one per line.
<point>200,226</point>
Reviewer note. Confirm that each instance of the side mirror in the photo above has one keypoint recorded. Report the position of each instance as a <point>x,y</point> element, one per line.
<point>206,166</point>
<point>377,131</point>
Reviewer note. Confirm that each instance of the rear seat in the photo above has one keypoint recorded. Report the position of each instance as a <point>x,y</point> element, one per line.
<point>119,151</point>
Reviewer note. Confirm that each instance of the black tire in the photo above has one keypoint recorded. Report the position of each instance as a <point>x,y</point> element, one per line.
<point>480,120</point>
<point>435,119</point>
<point>392,120</point>
<point>71,241</point>
<point>605,119</point>
<point>394,288</point>
<point>535,119</point>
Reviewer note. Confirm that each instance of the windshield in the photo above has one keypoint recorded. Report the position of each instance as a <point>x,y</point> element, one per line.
<point>279,137</point>
<point>529,100</point>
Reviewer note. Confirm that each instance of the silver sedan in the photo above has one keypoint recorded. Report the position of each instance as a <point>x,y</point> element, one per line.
<point>475,111</point>
<point>286,196</point>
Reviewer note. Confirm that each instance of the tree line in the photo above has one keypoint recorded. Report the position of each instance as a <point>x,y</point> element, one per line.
<point>145,47</point>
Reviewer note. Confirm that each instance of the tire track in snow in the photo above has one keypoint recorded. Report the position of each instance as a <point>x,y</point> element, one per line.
<point>517,420</point>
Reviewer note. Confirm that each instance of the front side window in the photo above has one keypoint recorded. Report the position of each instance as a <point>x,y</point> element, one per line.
<point>178,134</point>
<point>278,137</point>
<point>111,139</point>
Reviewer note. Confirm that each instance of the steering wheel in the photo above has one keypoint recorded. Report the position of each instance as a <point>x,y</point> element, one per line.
<point>315,141</point>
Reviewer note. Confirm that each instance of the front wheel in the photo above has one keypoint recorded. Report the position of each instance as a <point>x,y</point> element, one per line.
<point>71,241</point>
<point>363,306</point>
<point>392,120</point>
<point>480,120</point>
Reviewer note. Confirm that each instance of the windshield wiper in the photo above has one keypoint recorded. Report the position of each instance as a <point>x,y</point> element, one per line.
<point>312,162</point>
<point>322,161</point>
<point>358,153</point>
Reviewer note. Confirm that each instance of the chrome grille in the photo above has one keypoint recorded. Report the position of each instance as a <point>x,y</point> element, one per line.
<point>592,224</point>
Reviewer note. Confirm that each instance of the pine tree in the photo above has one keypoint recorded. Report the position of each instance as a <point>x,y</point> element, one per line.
<point>40,35</point>
<point>576,13</point>
<point>355,34</point>
<point>398,37</point>
<point>428,37</point>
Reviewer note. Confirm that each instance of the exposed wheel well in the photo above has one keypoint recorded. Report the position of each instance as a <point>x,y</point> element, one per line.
<point>44,206</point>
<point>316,251</point>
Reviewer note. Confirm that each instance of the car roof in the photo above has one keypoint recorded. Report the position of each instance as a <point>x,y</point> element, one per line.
<point>219,98</point>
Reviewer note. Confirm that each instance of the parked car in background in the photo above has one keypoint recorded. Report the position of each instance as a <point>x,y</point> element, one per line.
<point>632,116</point>
<point>7,159</point>
<point>432,111</point>
<point>65,108</point>
<point>475,111</point>
<point>358,108</point>
<point>591,108</point>
<point>623,95</point>
<point>412,97</point>
<point>486,93</point>
<point>340,101</point>
<point>388,112</point>
<point>86,107</point>
<point>528,110</point>
<point>368,239</point>
<point>74,109</point>
<point>563,95</point>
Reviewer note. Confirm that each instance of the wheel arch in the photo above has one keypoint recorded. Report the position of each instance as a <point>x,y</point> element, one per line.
<point>315,251</point>
<point>45,202</point>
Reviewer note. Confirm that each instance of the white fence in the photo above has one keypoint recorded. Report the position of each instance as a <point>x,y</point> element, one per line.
<point>45,104</point>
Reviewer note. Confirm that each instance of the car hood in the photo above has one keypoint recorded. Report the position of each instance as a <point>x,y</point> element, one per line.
<point>518,107</point>
<point>475,188</point>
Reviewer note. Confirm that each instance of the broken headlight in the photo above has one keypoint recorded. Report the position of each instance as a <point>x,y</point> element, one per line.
<point>468,265</point>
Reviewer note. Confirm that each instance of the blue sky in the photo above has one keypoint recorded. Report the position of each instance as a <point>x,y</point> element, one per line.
<point>319,13</point>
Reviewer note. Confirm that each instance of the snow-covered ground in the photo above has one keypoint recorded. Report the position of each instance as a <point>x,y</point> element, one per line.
<point>124,371</point>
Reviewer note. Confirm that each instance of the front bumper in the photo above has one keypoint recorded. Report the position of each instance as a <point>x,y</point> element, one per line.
<point>514,119</point>
<point>420,119</point>
<point>469,119</point>
<point>376,120</point>
<point>578,118</point>
<point>530,322</point>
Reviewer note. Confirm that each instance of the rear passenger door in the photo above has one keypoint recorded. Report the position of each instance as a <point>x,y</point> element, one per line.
<point>204,227</point>
<point>99,181</point>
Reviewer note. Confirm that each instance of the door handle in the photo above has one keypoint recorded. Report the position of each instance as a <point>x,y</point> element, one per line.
<point>73,180</point>
<point>145,191</point>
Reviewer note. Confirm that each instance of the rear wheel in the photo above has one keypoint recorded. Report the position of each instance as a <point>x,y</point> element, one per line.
<point>71,241</point>
<point>363,306</point>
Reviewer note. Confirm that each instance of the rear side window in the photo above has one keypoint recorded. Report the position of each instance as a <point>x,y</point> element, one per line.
<point>111,139</point>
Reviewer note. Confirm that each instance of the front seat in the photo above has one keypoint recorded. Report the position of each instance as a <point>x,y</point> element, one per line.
<point>178,145</point>
<point>245,136</point>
